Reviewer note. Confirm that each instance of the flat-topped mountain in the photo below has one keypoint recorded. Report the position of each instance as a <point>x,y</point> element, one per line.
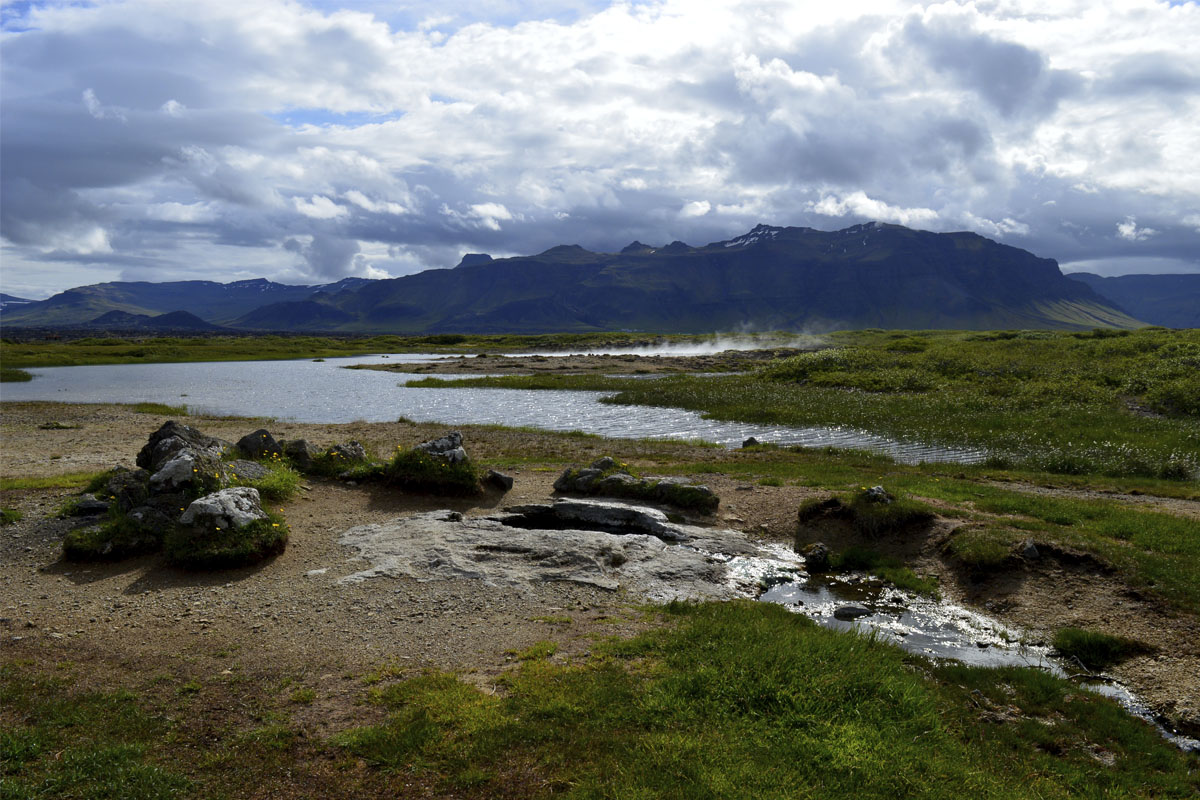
<point>770,278</point>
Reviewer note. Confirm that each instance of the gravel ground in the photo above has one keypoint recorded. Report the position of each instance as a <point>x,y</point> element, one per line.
<point>291,616</point>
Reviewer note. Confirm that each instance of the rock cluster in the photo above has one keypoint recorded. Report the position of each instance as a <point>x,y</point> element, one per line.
<point>181,489</point>
<point>606,476</point>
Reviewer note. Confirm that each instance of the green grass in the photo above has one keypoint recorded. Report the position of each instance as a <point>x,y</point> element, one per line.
<point>748,700</point>
<point>417,471</point>
<point>1095,650</point>
<point>167,349</point>
<point>983,548</point>
<point>280,483</point>
<point>891,570</point>
<point>61,743</point>
<point>70,480</point>
<point>9,516</point>
<point>160,409</point>
<point>236,547</point>
<point>10,375</point>
<point>1035,400</point>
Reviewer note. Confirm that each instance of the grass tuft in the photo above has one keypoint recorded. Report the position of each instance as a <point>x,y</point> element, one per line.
<point>418,471</point>
<point>8,516</point>
<point>1096,650</point>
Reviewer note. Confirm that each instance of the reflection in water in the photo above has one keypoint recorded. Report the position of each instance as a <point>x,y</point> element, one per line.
<point>308,391</point>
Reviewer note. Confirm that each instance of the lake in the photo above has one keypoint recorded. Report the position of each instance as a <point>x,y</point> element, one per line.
<point>323,392</point>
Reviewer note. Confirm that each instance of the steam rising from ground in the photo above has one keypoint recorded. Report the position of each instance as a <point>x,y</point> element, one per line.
<point>705,347</point>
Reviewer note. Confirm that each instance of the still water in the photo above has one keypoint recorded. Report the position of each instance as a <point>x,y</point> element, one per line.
<point>321,391</point>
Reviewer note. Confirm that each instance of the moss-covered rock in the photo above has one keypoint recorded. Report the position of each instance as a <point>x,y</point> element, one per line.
<point>225,529</point>
<point>608,477</point>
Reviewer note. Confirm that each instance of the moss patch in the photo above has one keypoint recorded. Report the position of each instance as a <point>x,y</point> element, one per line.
<point>226,549</point>
<point>418,471</point>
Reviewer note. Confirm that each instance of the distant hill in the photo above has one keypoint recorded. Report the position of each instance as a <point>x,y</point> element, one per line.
<point>172,321</point>
<point>12,302</point>
<point>871,275</point>
<point>218,303</point>
<point>1172,301</point>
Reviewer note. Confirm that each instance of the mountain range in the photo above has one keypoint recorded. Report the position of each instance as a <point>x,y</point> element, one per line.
<point>770,278</point>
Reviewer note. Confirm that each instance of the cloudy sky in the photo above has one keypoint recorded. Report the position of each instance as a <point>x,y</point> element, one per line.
<point>308,141</point>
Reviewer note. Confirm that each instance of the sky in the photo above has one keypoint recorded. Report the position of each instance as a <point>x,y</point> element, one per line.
<point>310,141</point>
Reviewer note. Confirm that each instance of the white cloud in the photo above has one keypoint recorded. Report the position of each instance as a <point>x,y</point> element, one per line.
<point>857,204</point>
<point>319,207</point>
<point>1130,232</point>
<point>696,208</point>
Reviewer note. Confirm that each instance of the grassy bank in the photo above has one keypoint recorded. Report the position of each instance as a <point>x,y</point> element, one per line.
<point>160,349</point>
<point>723,700</point>
<point>1110,403</point>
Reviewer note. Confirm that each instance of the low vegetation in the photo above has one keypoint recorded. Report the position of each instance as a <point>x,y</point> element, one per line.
<point>169,349</point>
<point>116,537</point>
<point>1116,403</point>
<point>1095,650</point>
<point>857,558</point>
<point>12,375</point>
<point>8,516</point>
<point>234,547</point>
<point>418,471</point>
<point>873,512</point>
<point>749,700</point>
<point>280,483</point>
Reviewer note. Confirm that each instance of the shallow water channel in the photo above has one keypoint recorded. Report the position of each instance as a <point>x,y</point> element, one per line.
<point>323,392</point>
<point>934,628</point>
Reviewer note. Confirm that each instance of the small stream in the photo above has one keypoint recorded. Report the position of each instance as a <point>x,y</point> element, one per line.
<point>323,392</point>
<point>934,628</point>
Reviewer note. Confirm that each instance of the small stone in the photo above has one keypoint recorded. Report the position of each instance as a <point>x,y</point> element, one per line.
<point>816,557</point>
<point>1028,550</point>
<point>849,613</point>
<point>498,479</point>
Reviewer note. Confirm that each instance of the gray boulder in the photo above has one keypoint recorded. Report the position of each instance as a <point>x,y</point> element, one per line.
<point>498,479</point>
<point>191,469</point>
<point>816,558</point>
<point>228,509</point>
<point>260,444</point>
<point>606,476</point>
<point>88,506</point>
<point>128,488</point>
<point>448,447</point>
<point>173,438</point>
<point>348,452</point>
<point>302,454</point>
<point>243,470</point>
